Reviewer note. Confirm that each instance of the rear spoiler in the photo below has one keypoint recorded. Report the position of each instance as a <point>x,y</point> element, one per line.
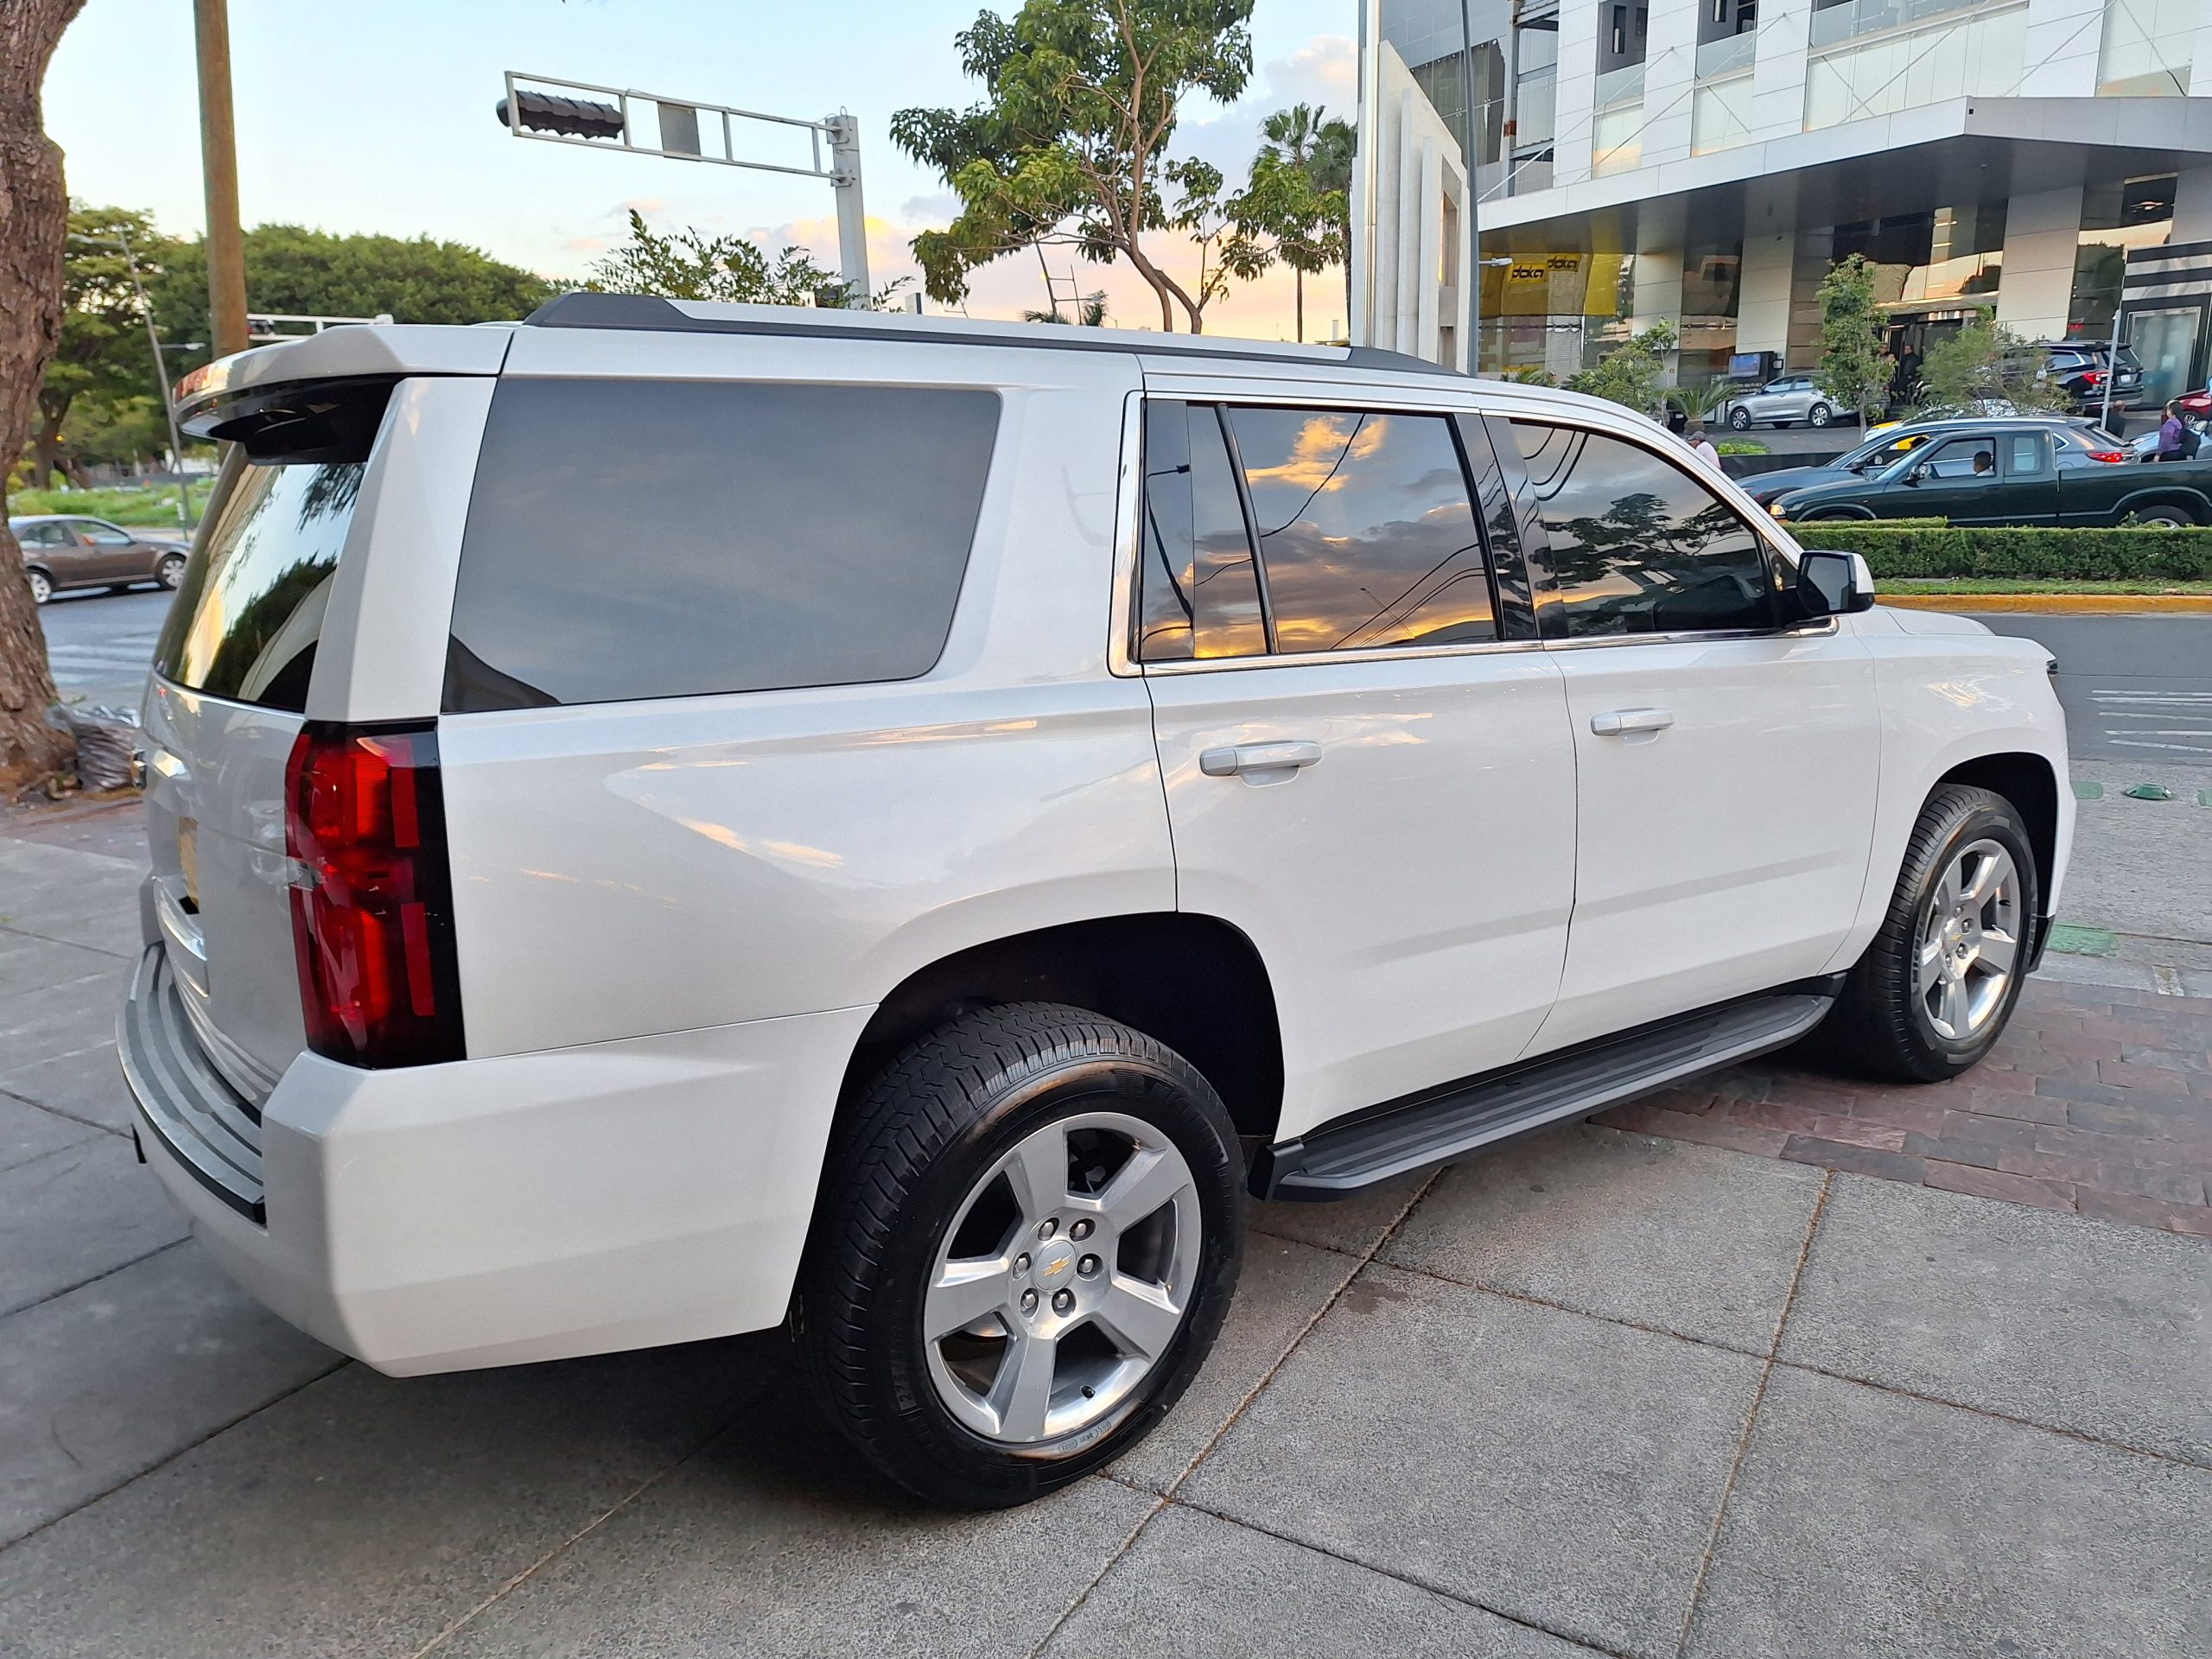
<point>217,397</point>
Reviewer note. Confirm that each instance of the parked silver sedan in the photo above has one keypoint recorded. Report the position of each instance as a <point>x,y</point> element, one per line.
<point>1785,402</point>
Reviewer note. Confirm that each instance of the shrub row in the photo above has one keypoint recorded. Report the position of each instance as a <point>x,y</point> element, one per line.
<point>2156,553</point>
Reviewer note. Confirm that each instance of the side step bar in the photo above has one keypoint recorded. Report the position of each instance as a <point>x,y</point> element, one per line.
<point>1442,1126</point>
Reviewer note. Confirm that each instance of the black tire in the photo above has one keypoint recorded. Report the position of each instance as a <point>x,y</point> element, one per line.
<point>1880,1024</point>
<point>932,1126</point>
<point>1820,414</point>
<point>170,571</point>
<point>1740,418</point>
<point>2174,516</point>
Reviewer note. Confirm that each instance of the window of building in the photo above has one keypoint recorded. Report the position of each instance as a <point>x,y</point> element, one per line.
<point>631,539</point>
<point>1366,533</point>
<point>2115,219</point>
<point>1634,543</point>
<point>1925,53</point>
<point>1199,594</point>
<point>2147,49</point>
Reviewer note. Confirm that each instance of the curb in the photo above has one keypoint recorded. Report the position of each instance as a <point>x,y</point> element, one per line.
<point>2058,604</point>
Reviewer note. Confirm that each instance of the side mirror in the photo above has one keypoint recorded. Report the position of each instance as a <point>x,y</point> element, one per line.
<point>1830,583</point>
<point>1914,474</point>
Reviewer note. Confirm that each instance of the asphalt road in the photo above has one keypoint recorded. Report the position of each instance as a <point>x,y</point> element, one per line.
<point>2135,688</point>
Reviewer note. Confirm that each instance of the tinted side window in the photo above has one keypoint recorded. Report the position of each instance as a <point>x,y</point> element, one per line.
<point>1200,593</point>
<point>1367,538</point>
<point>1635,545</point>
<point>635,539</point>
<point>2023,455</point>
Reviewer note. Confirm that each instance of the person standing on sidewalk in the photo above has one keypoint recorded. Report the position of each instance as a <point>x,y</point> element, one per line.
<point>1700,446</point>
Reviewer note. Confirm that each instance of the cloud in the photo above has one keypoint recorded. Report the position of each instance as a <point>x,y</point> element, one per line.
<point>939,210</point>
<point>586,244</point>
<point>1325,71</point>
<point>647,205</point>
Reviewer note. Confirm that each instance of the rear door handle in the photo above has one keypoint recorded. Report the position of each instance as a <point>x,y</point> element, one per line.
<point>1617,720</point>
<point>1258,757</point>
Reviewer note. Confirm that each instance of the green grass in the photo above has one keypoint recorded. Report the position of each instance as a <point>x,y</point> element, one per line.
<point>134,506</point>
<point>2036,585</point>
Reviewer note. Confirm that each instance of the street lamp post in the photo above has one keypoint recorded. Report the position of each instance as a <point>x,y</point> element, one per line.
<point>560,117</point>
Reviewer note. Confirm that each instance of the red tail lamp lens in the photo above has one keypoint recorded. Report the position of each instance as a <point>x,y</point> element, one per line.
<point>373,896</point>
<point>2107,455</point>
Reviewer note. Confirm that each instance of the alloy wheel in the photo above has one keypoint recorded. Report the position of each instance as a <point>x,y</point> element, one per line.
<point>42,587</point>
<point>1063,1279</point>
<point>1969,942</point>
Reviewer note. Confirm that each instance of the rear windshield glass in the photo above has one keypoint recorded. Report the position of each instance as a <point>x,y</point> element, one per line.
<point>250,610</point>
<point>632,539</point>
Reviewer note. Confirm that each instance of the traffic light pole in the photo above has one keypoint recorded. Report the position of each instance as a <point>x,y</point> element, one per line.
<point>558,116</point>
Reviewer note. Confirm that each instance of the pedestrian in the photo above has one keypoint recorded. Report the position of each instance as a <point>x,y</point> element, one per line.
<point>2175,441</point>
<point>1700,446</point>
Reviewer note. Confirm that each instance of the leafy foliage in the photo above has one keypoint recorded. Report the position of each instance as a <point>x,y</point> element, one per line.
<point>1852,368</point>
<point>1069,146</point>
<point>688,265</point>
<point>1632,374</point>
<point>103,362</point>
<point>2153,553</point>
<point>1987,360</point>
<point>1285,210</point>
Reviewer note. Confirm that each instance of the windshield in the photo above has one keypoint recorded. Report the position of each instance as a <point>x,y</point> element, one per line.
<point>250,609</point>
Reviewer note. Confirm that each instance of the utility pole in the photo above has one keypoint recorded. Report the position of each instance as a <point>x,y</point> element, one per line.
<point>162,375</point>
<point>219,162</point>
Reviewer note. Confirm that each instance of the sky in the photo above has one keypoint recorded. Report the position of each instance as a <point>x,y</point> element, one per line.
<point>376,116</point>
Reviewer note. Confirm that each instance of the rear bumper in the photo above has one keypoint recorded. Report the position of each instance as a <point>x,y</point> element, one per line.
<point>527,1207</point>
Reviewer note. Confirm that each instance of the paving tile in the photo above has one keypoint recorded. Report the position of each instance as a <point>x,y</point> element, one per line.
<point>363,1515</point>
<point>1195,1583</point>
<point>29,962</point>
<point>28,1132</point>
<point>1863,1160</point>
<point>48,1020</point>
<point>104,1382</point>
<point>775,1540</point>
<point>1354,1225</point>
<point>1561,1470</point>
<point>1867,1522</point>
<point>1686,1239</point>
<point>84,898</point>
<point>1705,1128</point>
<point>1986,1183</point>
<point>85,1083</point>
<point>1284,1287</point>
<point>77,1213</point>
<point>2077,1323</point>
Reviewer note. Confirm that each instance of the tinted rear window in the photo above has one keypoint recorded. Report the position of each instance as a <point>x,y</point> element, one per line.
<point>634,539</point>
<point>248,614</point>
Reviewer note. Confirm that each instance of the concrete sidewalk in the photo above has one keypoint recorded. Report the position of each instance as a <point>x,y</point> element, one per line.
<point>1608,1391</point>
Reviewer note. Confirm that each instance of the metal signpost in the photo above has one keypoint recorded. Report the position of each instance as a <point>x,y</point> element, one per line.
<point>550,110</point>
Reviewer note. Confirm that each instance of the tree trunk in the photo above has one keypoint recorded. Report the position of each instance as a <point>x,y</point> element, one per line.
<point>1298,283</point>
<point>46,452</point>
<point>34,227</point>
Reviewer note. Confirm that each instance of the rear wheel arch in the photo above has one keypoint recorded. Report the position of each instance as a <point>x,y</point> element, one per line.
<point>2184,502</point>
<point>2030,782</point>
<point>1194,983</point>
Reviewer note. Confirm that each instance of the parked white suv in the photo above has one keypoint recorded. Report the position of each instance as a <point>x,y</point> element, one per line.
<point>675,816</point>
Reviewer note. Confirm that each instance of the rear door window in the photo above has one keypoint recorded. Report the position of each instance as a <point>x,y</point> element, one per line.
<point>1200,588</point>
<point>246,619</point>
<point>632,539</point>
<point>1634,544</point>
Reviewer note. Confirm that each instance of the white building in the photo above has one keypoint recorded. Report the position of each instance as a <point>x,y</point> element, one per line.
<point>1706,161</point>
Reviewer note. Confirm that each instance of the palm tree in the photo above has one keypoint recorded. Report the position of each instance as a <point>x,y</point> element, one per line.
<point>1292,136</point>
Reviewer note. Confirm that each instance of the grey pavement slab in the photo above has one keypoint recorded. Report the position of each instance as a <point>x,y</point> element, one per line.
<point>2088,1326</point>
<point>1561,1470</point>
<point>106,1381</point>
<point>28,1132</point>
<point>77,1213</point>
<point>29,962</point>
<point>57,892</point>
<point>1194,1584</point>
<point>84,1083</point>
<point>1869,1523</point>
<point>1692,1239</point>
<point>1354,1225</point>
<point>364,1514</point>
<point>1284,1288</point>
<point>777,1541</point>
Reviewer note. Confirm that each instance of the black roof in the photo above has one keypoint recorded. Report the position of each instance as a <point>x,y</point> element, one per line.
<point>649,312</point>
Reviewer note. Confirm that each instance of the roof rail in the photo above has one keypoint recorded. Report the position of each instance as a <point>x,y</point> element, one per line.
<point>650,313</point>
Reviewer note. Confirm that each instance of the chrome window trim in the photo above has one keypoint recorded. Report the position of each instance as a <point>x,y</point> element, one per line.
<point>1305,658</point>
<point>1825,625</point>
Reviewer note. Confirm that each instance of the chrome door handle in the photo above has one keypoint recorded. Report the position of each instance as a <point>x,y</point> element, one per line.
<point>1258,757</point>
<point>1617,720</point>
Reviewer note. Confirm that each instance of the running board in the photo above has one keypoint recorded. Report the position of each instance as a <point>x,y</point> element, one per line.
<point>1442,1127</point>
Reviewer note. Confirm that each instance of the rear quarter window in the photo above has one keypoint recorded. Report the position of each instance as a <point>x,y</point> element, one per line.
<point>634,539</point>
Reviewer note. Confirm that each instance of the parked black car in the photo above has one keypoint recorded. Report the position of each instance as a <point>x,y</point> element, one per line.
<point>2079,444</point>
<point>2014,472</point>
<point>2079,367</point>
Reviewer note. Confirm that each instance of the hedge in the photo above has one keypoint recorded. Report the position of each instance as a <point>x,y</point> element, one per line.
<point>2155,553</point>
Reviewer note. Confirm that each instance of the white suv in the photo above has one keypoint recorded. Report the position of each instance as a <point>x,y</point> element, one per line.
<point>674,817</point>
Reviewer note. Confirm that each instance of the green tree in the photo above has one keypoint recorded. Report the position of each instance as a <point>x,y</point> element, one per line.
<point>1987,360</point>
<point>1632,374</point>
<point>1069,146</point>
<point>1851,370</point>
<point>688,265</point>
<point>290,269</point>
<point>102,353</point>
<point>1284,207</point>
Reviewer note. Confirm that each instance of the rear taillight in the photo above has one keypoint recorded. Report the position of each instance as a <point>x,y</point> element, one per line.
<point>372,895</point>
<point>2107,455</point>
<point>2094,376</point>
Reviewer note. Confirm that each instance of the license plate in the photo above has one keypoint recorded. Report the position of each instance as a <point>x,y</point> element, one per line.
<point>187,858</point>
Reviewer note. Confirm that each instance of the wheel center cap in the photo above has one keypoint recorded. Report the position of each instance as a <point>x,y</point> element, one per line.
<point>1054,1263</point>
